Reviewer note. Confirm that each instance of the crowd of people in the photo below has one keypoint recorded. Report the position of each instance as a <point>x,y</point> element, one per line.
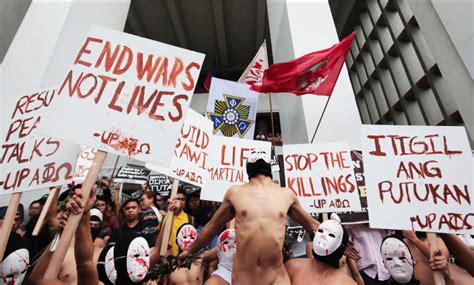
<point>238,241</point>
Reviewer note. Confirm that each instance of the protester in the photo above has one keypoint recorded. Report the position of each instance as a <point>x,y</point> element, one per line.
<point>185,237</point>
<point>192,202</point>
<point>131,259</point>
<point>130,211</point>
<point>370,267</point>
<point>16,261</point>
<point>96,218</point>
<point>176,205</point>
<point>82,266</point>
<point>227,248</point>
<point>109,222</point>
<point>259,208</point>
<point>35,208</point>
<point>150,217</point>
<point>106,266</point>
<point>420,248</point>
<point>398,260</point>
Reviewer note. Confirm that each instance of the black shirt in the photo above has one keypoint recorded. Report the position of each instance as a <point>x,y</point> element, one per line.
<point>124,230</point>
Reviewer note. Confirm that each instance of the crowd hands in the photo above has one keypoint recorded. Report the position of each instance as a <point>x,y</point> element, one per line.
<point>120,243</point>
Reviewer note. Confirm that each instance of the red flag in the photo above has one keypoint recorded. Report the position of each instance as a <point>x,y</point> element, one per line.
<point>207,81</point>
<point>315,73</point>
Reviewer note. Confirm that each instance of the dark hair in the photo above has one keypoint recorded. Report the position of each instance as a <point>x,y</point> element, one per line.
<point>34,202</point>
<point>202,215</point>
<point>181,191</point>
<point>122,208</point>
<point>150,195</point>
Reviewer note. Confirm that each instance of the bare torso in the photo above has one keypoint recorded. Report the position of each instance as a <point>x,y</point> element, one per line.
<point>308,271</point>
<point>184,276</point>
<point>260,215</point>
<point>68,271</point>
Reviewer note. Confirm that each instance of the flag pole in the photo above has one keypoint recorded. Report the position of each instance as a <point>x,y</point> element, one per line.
<point>320,119</point>
<point>271,118</point>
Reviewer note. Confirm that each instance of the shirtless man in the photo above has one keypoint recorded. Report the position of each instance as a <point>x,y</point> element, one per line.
<point>85,269</point>
<point>260,208</point>
<point>328,247</point>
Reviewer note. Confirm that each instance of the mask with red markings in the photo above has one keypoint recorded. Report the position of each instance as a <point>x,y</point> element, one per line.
<point>185,237</point>
<point>16,262</point>
<point>106,266</point>
<point>227,248</point>
<point>397,259</point>
<point>328,238</point>
<point>132,259</point>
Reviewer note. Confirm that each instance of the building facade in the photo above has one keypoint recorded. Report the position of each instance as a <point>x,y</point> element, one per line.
<point>408,64</point>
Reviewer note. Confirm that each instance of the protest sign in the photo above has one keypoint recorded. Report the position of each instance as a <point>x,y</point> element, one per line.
<point>418,178</point>
<point>232,108</point>
<point>84,163</point>
<point>160,183</point>
<point>125,95</point>
<point>29,161</point>
<point>191,154</point>
<point>228,165</point>
<point>321,176</point>
<point>132,174</point>
<point>357,217</point>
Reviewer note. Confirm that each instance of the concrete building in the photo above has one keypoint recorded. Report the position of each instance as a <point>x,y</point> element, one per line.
<point>412,60</point>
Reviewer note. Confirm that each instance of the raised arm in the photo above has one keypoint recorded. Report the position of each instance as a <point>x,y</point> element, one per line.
<point>299,215</point>
<point>83,246</point>
<point>224,214</point>
<point>464,256</point>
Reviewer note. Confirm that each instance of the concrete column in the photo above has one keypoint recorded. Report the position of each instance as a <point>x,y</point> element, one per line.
<point>297,28</point>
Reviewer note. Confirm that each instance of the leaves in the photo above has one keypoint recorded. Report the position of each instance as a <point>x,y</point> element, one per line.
<point>168,265</point>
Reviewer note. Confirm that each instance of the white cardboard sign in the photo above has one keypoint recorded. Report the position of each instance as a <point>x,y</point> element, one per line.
<point>228,167</point>
<point>418,178</point>
<point>125,95</point>
<point>84,163</point>
<point>30,161</point>
<point>192,153</point>
<point>321,176</point>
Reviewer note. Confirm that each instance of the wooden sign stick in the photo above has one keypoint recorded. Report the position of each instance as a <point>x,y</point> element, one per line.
<point>8,222</point>
<point>325,216</point>
<point>73,221</point>
<point>44,212</point>
<point>437,275</point>
<point>169,221</point>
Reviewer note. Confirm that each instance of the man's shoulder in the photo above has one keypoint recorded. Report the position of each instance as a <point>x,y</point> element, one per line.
<point>296,264</point>
<point>342,278</point>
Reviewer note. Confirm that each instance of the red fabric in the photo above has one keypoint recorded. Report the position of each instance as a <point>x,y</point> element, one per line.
<point>207,81</point>
<point>314,73</point>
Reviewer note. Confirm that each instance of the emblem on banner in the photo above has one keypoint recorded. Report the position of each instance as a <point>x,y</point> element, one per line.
<point>231,116</point>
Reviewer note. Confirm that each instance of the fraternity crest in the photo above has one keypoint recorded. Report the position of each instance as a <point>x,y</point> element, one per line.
<point>231,116</point>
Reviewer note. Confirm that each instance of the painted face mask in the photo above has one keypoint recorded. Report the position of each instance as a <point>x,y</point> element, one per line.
<point>185,237</point>
<point>259,163</point>
<point>328,238</point>
<point>16,261</point>
<point>227,246</point>
<point>397,259</point>
<point>14,267</point>
<point>106,266</point>
<point>138,259</point>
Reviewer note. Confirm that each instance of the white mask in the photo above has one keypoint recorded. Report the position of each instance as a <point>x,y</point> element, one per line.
<point>327,238</point>
<point>186,236</point>
<point>397,259</point>
<point>138,259</point>
<point>14,266</point>
<point>227,246</point>
<point>468,240</point>
<point>110,265</point>
<point>257,154</point>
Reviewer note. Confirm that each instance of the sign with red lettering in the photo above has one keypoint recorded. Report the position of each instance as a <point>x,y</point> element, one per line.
<point>418,178</point>
<point>322,177</point>
<point>228,166</point>
<point>29,161</point>
<point>125,95</point>
<point>191,154</point>
<point>84,163</point>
